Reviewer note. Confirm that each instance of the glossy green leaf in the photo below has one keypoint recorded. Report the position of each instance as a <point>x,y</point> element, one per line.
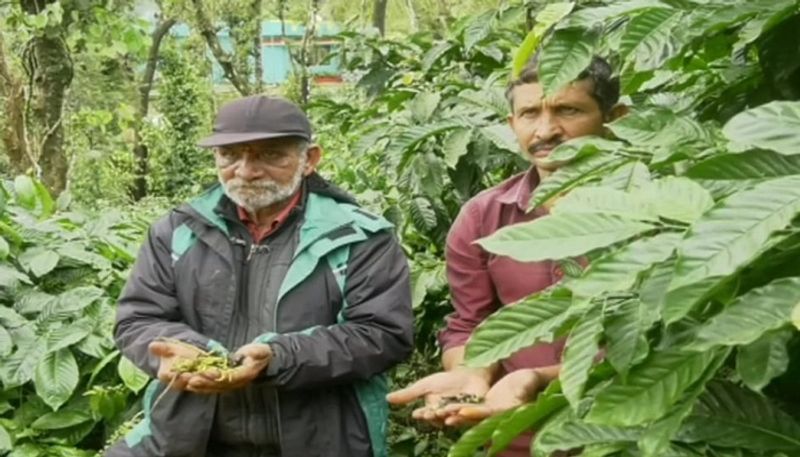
<point>67,335</point>
<point>656,438</point>
<point>19,367</point>
<point>70,302</point>
<point>591,17</point>
<point>579,355</point>
<point>478,29</point>
<point>628,177</point>
<point>679,199</point>
<point>746,166</point>
<point>423,105</point>
<point>764,359</point>
<point>527,417</point>
<point>107,358</point>
<point>5,249</point>
<point>572,175</point>
<point>501,136</point>
<point>25,190</point>
<point>409,137</point>
<point>751,315</point>
<point>618,270</point>
<point>561,236</point>
<point>134,378</point>
<point>796,316</point>
<point>578,148</point>
<point>48,206</point>
<point>515,327</point>
<point>590,199</point>
<point>545,18</point>
<point>649,39</point>
<point>422,213</point>
<point>728,237</point>
<point>61,419</point>
<point>477,436</point>
<point>650,389</point>
<point>625,328</point>
<point>773,126</point>
<point>658,127</point>
<point>56,378</point>
<point>435,53</point>
<point>564,56</point>
<point>6,444</point>
<point>603,450</point>
<point>6,343</point>
<point>731,416</point>
<point>455,146</point>
<point>39,261</point>
<point>10,318</point>
<point>575,434</point>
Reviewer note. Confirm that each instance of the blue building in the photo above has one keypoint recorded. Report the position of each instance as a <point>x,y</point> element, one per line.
<point>275,46</point>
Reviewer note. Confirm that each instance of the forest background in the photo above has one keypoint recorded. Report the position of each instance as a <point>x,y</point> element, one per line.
<point>103,107</point>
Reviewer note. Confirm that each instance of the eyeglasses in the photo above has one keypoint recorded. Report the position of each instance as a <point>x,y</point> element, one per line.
<point>271,156</point>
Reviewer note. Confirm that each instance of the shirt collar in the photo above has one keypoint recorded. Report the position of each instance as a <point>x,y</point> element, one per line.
<point>520,191</point>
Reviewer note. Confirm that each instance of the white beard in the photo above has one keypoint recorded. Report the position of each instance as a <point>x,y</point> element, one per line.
<point>256,195</point>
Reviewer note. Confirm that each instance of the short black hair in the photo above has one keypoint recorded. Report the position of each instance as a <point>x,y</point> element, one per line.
<point>605,86</point>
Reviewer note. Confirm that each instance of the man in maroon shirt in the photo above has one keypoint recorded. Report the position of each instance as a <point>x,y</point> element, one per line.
<point>481,282</point>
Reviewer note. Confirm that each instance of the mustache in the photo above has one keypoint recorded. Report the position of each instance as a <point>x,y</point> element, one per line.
<point>541,145</point>
<point>237,184</point>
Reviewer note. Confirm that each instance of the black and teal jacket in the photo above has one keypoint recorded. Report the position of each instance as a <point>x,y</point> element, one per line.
<point>330,293</point>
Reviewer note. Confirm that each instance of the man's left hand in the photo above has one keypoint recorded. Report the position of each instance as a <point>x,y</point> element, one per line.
<point>512,390</point>
<point>254,359</point>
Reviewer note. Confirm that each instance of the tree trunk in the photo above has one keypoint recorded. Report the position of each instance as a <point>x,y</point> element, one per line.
<point>444,14</point>
<point>14,132</point>
<point>412,16</point>
<point>52,73</point>
<point>258,53</point>
<point>140,151</point>
<point>224,60</point>
<point>379,15</point>
<point>308,41</point>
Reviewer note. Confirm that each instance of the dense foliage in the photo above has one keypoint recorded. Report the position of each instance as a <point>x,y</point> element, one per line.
<point>689,217</point>
<point>690,221</point>
<point>64,383</point>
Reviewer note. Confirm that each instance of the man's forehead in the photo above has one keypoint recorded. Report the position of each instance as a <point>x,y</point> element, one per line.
<point>533,93</point>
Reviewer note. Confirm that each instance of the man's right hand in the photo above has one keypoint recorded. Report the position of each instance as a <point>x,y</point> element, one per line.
<point>170,353</point>
<point>433,388</point>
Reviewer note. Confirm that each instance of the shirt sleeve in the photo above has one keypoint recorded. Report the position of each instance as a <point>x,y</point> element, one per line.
<point>471,289</point>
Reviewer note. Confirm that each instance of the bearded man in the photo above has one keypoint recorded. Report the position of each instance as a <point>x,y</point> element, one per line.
<point>304,292</point>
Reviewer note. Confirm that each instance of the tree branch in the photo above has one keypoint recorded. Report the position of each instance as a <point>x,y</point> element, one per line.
<point>224,60</point>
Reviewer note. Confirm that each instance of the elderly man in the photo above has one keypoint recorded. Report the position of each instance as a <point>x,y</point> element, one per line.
<point>280,271</point>
<point>481,282</point>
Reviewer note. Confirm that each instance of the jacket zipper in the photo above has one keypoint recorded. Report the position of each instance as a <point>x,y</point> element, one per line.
<point>252,249</point>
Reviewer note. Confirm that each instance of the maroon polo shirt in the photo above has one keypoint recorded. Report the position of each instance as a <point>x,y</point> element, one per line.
<point>482,282</point>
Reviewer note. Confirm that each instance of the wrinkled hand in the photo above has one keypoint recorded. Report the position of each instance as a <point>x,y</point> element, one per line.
<point>170,353</point>
<point>512,390</point>
<point>435,388</point>
<point>253,359</point>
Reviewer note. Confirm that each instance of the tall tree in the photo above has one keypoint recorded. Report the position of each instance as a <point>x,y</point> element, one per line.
<point>140,151</point>
<point>379,15</point>
<point>241,62</point>
<point>305,52</point>
<point>49,68</point>
<point>14,133</point>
